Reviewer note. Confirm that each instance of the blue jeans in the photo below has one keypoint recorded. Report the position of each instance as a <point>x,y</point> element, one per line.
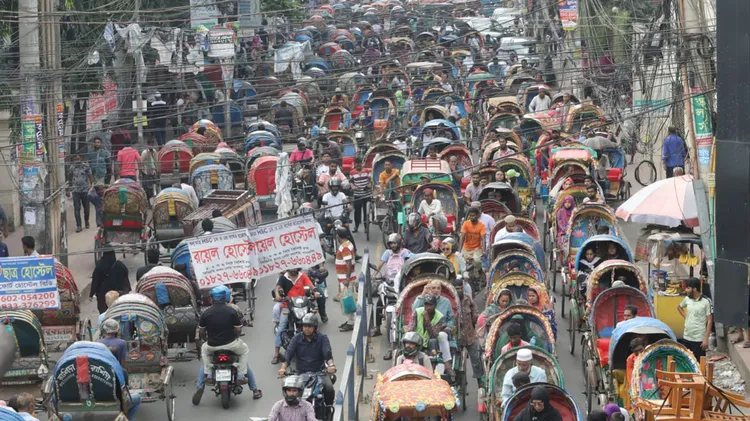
<point>135,401</point>
<point>283,322</point>
<point>201,382</point>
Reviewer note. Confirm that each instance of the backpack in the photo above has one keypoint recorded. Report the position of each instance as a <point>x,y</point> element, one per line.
<point>394,264</point>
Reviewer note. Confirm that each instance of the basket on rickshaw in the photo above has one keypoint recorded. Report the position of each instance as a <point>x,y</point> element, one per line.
<point>64,326</point>
<point>31,365</point>
<point>174,163</point>
<point>559,399</point>
<point>584,222</point>
<point>177,298</point>
<point>648,328</point>
<point>123,218</point>
<point>414,399</point>
<point>447,198</point>
<point>143,327</point>
<point>89,379</point>
<point>211,177</point>
<point>409,300</point>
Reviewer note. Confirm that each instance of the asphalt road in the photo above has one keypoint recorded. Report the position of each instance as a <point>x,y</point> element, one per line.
<point>260,341</point>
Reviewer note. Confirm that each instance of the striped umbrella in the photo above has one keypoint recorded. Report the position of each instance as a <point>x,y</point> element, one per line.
<point>669,202</point>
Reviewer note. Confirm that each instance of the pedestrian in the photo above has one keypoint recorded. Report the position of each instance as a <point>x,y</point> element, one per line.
<point>28,244</point>
<point>674,151</point>
<point>99,161</point>
<point>109,274</point>
<point>473,243</point>
<point>158,113</point>
<point>469,316</point>
<point>347,279</point>
<point>697,309</point>
<point>128,162</point>
<point>362,185</point>
<point>149,168</point>
<point>81,181</point>
<point>368,122</point>
<point>3,247</point>
<point>4,221</point>
<point>96,196</point>
<point>472,191</point>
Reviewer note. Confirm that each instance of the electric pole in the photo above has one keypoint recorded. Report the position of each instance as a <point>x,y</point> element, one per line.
<point>31,156</point>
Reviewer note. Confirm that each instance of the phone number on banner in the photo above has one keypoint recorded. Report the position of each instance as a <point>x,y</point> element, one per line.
<point>245,275</point>
<point>35,300</point>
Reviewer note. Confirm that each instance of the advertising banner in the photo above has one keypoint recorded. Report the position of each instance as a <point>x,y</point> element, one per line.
<point>568,14</point>
<point>28,283</point>
<point>241,255</point>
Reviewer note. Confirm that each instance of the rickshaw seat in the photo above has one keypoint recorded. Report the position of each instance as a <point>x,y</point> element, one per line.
<point>602,345</point>
<point>614,174</point>
<point>347,164</point>
<point>451,221</point>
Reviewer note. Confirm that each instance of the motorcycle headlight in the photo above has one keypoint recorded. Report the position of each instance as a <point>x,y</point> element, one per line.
<point>338,223</point>
<point>300,313</point>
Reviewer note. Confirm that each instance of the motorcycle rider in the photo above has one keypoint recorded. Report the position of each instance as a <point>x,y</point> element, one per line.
<point>290,284</point>
<point>411,346</point>
<point>292,407</point>
<point>336,203</point>
<point>312,350</point>
<point>220,327</point>
<point>417,237</point>
<point>393,259</point>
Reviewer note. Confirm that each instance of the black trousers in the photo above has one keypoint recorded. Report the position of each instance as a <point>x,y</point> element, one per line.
<point>81,200</point>
<point>694,347</point>
<point>360,210</point>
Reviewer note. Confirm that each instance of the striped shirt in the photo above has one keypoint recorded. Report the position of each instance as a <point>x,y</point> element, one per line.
<point>361,182</point>
<point>344,255</point>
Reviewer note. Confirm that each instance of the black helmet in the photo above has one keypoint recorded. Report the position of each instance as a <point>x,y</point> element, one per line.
<point>310,320</point>
<point>411,337</point>
<point>334,182</point>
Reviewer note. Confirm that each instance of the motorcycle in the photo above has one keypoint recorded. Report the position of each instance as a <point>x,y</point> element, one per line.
<point>330,224</point>
<point>297,308</point>
<point>312,392</point>
<point>318,277</point>
<point>225,376</point>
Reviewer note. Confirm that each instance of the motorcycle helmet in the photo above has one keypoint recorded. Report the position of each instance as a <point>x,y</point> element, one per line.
<point>310,320</point>
<point>292,382</point>
<point>394,238</point>
<point>411,337</point>
<point>306,207</point>
<point>334,182</point>
<point>413,220</point>
<point>220,294</point>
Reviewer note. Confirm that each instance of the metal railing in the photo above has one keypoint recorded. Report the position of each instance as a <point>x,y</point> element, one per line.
<point>355,369</point>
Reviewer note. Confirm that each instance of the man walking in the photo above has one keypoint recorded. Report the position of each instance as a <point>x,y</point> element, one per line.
<point>98,160</point>
<point>673,153</point>
<point>697,309</point>
<point>81,181</point>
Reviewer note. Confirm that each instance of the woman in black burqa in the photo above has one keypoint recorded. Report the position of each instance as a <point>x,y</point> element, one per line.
<point>539,408</point>
<point>110,274</point>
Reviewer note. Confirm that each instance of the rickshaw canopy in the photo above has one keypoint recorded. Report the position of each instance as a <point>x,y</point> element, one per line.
<point>619,344</point>
<point>597,240</point>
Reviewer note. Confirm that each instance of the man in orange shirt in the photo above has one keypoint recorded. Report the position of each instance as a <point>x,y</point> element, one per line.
<point>473,232</point>
<point>388,175</point>
<point>128,162</point>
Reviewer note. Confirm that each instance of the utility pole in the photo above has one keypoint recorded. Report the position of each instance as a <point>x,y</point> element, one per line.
<point>31,154</point>
<point>55,111</point>
<point>138,56</point>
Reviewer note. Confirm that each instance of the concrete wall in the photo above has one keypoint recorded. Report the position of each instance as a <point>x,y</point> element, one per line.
<point>9,198</point>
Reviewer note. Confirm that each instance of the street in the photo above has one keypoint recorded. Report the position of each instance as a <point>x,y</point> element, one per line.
<point>259,339</point>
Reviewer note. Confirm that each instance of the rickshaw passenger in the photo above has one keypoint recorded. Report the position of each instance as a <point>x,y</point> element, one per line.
<point>510,223</point>
<point>427,321</point>
<point>539,408</point>
<point>442,304</point>
<point>432,153</point>
<point>433,210</point>
<point>563,217</point>
<point>524,364</point>
<point>324,145</point>
<point>322,168</point>
<point>592,195</point>
<point>449,249</point>
<point>417,238</point>
<point>613,253</point>
<point>514,335</point>
<point>25,405</point>
<point>501,303</point>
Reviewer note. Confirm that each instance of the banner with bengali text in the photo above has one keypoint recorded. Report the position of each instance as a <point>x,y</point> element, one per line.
<point>28,283</point>
<point>241,255</point>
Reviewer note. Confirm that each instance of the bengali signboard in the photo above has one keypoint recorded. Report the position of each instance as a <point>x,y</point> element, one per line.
<point>101,104</point>
<point>704,134</point>
<point>241,255</point>
<point>28,283</point>
<point>221,43</point>
<point>568,14</point>
<point>32,139</point>
<point>203,13</point>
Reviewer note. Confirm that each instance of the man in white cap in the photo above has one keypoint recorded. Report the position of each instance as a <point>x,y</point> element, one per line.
<point>523,365</point>
<point>157,118</point>
<point>510,223</point>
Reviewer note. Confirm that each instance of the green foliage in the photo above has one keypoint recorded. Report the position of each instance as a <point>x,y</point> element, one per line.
<point>288,8</point>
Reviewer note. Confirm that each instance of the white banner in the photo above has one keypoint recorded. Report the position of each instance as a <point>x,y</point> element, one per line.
<point>204,13</point>
<point>241,255</point>
<point>221,43</point>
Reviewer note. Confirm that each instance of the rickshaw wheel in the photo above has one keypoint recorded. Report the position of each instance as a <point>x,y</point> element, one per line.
<point>366,222</point>
<point>97,252</point>
<point>562,303</point>
<point>170,398</point>
<point>88,330</point>
<point>385,229</point>
<point>572,330</point>
<point>250,296</point>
